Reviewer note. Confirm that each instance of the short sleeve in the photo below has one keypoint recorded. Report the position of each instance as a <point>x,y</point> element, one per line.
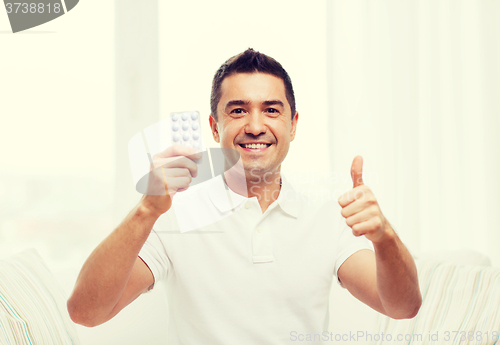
<point>348,244</point>
<point>155,256</point>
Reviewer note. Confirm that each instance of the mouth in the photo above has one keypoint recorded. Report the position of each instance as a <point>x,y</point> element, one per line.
<point>255,147</point>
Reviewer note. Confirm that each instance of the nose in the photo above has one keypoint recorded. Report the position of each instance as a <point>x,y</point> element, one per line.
<point>255,124</point>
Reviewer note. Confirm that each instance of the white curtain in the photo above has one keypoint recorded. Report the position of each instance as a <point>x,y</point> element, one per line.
<point>414,87</point>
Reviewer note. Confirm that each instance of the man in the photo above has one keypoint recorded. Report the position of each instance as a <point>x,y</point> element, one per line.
<point>264,271</point>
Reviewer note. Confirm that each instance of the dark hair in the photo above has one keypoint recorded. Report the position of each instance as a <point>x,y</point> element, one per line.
<point>250,61</point>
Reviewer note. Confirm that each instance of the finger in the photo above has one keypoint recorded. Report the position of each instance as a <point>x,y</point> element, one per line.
<point>357,171</point>
<point>352,208</point>
<point>179,150</point>
<point>161,181</point>
<point>361,217</point>
<point>365,227</point>
<point>345,199</point>
<point>176,172</point>
<point>179,184</point>
<point>353,195</point>
<point>177,162</point>
<point>173,184</point>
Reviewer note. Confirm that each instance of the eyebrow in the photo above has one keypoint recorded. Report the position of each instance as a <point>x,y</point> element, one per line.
<point>236,102</point>
<point>244,102</point>
<point>274,102</point>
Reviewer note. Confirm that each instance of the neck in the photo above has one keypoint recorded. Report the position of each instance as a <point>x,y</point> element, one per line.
<point>265,187</point>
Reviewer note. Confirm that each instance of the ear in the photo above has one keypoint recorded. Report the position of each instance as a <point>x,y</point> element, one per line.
<point>294,126</point>
<point>215,129</point>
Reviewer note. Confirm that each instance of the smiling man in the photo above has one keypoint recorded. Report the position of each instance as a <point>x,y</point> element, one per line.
<point>251,114</point>
<point>262,274</point>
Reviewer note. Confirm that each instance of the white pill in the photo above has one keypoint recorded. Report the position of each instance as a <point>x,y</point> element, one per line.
<point>196,145</point>
<point>194,115</point>
<point>175,117</point>
<point>196,135</point>
<point>184,116</point>
<point>185,137</point>
<point>194,125</point>
<point>175,127</point>
<point>185,126</point>
<point>176,137</point>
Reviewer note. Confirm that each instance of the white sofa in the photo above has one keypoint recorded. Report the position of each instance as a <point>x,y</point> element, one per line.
<point>461,293</point>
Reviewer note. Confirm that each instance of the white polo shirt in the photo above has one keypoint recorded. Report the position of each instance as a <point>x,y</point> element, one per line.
<point>251,277</point>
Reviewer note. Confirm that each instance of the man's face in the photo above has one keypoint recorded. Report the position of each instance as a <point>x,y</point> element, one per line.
<point>254,118</point>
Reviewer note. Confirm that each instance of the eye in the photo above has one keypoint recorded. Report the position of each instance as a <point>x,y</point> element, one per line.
<point>272,111</point>
<point>237,111</point>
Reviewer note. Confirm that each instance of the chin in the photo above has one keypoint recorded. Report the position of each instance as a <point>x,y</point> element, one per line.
<point>256,170</point>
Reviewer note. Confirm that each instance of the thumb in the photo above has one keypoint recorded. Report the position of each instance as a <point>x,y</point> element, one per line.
<point>357,171</point>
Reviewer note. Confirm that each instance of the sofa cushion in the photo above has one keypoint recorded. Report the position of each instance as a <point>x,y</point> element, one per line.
<point>459,305</point>
<point>32,305</point>
<point>456,257</point>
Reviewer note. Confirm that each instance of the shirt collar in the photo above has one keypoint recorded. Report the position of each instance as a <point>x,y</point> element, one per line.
<point>222,196</point>
<point>225,199</point>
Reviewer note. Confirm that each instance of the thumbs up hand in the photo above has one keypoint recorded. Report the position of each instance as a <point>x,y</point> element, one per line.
<point>361,209</point>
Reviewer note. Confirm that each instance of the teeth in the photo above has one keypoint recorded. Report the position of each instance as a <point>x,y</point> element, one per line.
<point>255,146</point>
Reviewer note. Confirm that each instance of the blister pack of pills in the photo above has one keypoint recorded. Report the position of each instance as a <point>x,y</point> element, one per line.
<point>185,129</point>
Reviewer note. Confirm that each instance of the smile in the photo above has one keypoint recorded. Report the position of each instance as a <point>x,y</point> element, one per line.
<point>256,146</point>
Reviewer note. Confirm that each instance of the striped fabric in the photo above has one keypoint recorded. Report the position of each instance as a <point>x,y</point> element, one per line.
<point>461,305</point>
<point>32,305</point>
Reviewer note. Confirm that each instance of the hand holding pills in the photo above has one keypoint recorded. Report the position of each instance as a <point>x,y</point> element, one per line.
<point>171,171</point>
<point>361,209</point>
